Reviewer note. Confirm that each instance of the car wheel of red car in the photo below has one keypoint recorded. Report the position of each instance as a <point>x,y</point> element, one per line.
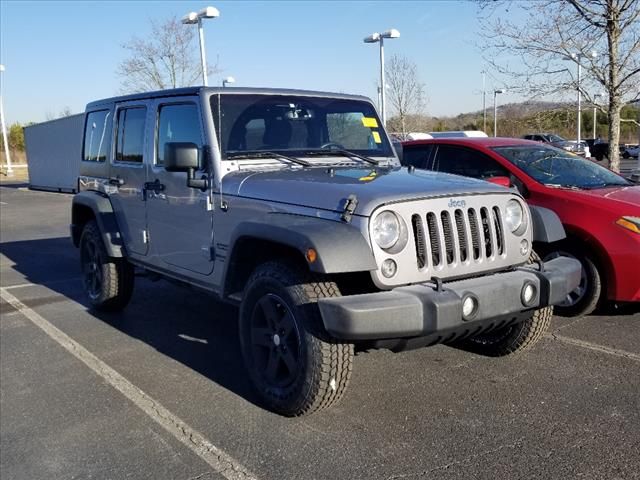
<point>584,299</point>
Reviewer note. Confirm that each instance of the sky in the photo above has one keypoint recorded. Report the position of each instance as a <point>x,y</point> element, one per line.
<point>61,54</point>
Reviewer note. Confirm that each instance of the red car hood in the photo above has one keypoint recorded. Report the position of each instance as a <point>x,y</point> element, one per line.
<point>629,195</point>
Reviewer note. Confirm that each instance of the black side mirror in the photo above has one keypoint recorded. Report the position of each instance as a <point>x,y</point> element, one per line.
<point>520,186</point>
<point>184,157</point>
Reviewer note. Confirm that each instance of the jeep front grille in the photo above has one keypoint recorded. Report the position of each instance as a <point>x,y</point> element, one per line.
<point>473,234</point>
<point>451,237</point>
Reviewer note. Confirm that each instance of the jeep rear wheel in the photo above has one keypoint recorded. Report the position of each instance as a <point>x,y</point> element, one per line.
<point>513,338</point>
<point>107,281</point>
<point>296,367</point>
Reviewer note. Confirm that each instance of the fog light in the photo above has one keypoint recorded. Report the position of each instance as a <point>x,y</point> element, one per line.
<point>389,268</point>
<point>469,307</point>
<point>528,294</point>
<point>524,248</point>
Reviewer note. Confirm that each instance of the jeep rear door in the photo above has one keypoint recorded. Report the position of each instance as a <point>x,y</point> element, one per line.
<point>128,174</point>
<point>179,218</point>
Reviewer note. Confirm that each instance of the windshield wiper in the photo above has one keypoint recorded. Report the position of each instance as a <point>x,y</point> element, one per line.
<point>274,155</point>
<point>343,153</point>
<point>561,185</point>
<point>607,184</point>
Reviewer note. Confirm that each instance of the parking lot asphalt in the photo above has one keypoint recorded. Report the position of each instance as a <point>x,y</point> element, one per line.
<point>159,391</point>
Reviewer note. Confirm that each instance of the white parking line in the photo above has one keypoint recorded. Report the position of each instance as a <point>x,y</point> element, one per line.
<point>598,348</point>
<point>219,461</point>
<point>44,284</point>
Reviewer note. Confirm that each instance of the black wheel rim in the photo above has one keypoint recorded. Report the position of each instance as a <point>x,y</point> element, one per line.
<point>275,341</point>
<point>91,268</point>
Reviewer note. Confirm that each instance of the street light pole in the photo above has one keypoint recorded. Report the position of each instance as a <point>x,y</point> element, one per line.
<point>577,58</point>
<point>379,38</point>
<point>495,111</point>
<point>202,53</point>
<point>193,18</point>
<point>4,127</point>
<point>383,108</point>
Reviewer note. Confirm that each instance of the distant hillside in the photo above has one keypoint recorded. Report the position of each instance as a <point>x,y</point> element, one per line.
<point>517,119</point>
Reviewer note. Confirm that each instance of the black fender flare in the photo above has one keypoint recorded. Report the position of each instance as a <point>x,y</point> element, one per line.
<point>546,224</point>
<point>103,213</point>
<point>340,247</point>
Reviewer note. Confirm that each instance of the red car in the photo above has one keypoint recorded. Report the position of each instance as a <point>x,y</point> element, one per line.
<point>599,209</point>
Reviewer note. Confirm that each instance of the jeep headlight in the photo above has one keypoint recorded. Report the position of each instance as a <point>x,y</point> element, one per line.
<point>385,229</point>
<point>514,216</point>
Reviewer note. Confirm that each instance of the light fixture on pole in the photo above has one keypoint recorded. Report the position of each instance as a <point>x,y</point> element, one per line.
<point>576,57</point>
<point>495,110</point>
<point>228,80</point>
<point>379,38</point>
<point>595,113</point>
<point>5,139</point>
<point>193,18</point>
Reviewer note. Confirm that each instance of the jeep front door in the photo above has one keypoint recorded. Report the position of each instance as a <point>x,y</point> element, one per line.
<point>179,218</point>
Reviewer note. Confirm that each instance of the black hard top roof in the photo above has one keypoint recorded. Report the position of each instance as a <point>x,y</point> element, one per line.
<point>176,92</point>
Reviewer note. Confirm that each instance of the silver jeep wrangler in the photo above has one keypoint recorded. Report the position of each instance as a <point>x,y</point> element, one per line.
<point>293,205</point>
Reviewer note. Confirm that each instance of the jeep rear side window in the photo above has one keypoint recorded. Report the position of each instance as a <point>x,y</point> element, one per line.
<point>468,163</point>
<point>177,123</point>
<point>130,135</point>
<point>97,136</point>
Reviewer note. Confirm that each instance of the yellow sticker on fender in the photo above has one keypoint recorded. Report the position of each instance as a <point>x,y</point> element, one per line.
<point>370,122</point>
<point>376,137</point>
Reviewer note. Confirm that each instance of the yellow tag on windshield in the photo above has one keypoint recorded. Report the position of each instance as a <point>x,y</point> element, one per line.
<point>370,122</point>
<point>376,137</point>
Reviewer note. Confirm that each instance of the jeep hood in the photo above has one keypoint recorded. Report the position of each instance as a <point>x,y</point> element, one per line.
<point>328,188</point>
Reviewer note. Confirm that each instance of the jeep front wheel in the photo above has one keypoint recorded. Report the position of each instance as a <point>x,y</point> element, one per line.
<point>107,281</point>
<point>296,367</point>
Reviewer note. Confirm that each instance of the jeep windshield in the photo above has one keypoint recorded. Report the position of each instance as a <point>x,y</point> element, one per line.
<point>249,125</point>
<point>558,168</point>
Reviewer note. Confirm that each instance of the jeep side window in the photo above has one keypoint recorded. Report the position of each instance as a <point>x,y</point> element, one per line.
<point>177,123</point>
<point>468,163</point>
<point>97,136</point>
<point>418,156</point>
<point>130,134</point>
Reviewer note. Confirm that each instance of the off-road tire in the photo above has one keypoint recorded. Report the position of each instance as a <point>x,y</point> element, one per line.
<point>107,281</point>
<point>513,338</point>
<point>323,365</point>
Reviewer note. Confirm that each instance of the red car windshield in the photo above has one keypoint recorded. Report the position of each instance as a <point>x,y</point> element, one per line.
<point>557,168</point>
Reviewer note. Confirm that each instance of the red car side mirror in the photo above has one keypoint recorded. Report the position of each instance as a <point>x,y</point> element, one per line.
<point>502,181</point>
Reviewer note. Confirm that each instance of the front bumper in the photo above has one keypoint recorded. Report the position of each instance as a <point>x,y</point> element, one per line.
<point>424,310</point>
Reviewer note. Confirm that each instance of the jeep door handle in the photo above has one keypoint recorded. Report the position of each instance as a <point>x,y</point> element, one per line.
<point>117,181</point>
<point>155,186</point>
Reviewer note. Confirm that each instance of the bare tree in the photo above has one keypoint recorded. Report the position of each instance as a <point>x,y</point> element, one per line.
<point>406,91</point>
<point>169,58</point>
<point>533,53</point>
